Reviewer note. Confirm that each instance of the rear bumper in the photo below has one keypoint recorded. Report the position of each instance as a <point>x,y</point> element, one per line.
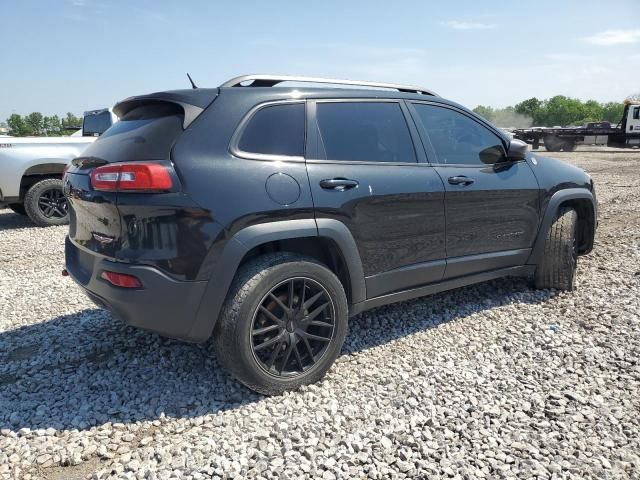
<point>162,305</point>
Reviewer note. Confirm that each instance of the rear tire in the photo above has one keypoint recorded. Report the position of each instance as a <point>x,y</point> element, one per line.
<point>282,295</point>
<point>45,203</point>
<point>569,146</point>
<point>557,269</point>
<point>552,143</point>
<point>17,208</point>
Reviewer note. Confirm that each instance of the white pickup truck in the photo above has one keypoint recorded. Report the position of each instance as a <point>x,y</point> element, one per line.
<point>31,169</point>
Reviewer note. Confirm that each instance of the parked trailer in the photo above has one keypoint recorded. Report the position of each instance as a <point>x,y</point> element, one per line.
<point>624,135</point>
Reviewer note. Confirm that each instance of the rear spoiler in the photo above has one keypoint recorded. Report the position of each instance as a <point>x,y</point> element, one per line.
<point>193,102</point>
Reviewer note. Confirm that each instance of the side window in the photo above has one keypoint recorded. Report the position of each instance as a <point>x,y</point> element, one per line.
<point>275,130</point>
<point>364,131</point>
<point>457,139</point>
<point>636,113</point>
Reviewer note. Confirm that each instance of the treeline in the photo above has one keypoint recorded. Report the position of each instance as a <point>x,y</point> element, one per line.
<point>555,111</point>
<point>36,124</point>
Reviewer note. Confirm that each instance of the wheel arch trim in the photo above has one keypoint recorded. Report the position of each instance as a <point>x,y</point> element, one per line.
<point>242,242</point>
<point>556,200</point>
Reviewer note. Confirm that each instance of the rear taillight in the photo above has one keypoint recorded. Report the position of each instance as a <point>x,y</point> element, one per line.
<point>139,177</point>
<point>121,279</point>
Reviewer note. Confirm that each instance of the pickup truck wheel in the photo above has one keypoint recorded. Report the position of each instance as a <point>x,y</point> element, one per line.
<point>45,203</point>
<point>283,323</point>
<point>552,143</point>
<point>557,268</point>
<point>17,208</point>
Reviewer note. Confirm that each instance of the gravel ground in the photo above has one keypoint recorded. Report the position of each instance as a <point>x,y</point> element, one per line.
<point>490,381</point>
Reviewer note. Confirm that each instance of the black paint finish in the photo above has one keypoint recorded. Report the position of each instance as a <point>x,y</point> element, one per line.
<point>401,230</point>
<point>498,211</point>
<point>396,214</point>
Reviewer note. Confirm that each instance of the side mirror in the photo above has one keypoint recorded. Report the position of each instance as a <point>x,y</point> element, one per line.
<point>517,150</point>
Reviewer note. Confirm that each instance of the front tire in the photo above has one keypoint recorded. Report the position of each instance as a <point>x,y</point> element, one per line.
<point>283,323</point>
<point>557,269</point>
<point>45,203</point>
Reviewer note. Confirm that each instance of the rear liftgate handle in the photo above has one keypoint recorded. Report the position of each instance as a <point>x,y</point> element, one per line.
<point>339,184</point>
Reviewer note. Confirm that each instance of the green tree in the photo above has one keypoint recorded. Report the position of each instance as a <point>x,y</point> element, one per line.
<point>612,112</point>
<point>561,111</point>
<point>35,121</point>
<point>592,109</point>
<point>558,110</point>
<point>53,126</point>
<point>17,126</point>
<point>485,112</point>
<point>530,108</point>
<point>72,121</point>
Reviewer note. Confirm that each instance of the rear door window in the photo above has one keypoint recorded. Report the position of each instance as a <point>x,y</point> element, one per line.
<point>459,140</point>
<point>275,130</point>
<point>364,132</point>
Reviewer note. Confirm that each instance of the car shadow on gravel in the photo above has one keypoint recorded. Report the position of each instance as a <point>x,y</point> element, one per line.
<point>86,369</point>
<point>384,324</point>
<point>11,221</point>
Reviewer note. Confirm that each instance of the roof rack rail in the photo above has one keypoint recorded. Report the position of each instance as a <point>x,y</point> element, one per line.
<point>272,80</point>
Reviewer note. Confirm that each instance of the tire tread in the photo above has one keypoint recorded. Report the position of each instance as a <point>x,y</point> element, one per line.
<point>31,203</point>
<point>247,280</point>
<point>558,265</point>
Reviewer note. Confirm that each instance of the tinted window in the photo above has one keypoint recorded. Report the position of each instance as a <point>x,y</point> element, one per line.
<point>95,125</point>
<point>457,139</point>
<point>365,131</point>
<point>275,130</point>
<point>146,132</point>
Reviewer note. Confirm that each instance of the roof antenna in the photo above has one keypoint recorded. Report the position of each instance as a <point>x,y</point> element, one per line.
<point>193,85</point>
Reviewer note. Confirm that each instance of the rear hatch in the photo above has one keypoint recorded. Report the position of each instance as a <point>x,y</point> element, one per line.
<point>125,183</point>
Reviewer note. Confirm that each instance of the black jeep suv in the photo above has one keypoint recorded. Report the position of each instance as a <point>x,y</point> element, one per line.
<point>268,215</point>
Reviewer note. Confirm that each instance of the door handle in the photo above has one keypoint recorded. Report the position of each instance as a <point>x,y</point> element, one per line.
<point>461,180</point>
<point>339,184</point>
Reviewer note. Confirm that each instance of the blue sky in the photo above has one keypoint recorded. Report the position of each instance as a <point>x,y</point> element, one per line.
<point>76,55</point>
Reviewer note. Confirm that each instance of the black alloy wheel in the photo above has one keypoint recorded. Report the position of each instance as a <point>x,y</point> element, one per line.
<point>45,203</point>
<point>53,204</point>
<point>283,322</point>
<point>292,327</point>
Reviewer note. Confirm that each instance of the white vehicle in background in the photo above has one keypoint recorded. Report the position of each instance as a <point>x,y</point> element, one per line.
<point>626,134</point>
<point>31,169</point>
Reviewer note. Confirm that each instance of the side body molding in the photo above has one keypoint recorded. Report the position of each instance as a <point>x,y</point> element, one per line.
<point>550,213</point>
<point>243,241</point>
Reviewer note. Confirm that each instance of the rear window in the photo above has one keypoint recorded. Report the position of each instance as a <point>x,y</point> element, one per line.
<point>275,130</point>
<point>95,125</point>
<point>146,132</point>
<point>365,131</point>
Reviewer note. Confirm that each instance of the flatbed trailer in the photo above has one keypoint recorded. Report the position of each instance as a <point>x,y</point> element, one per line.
<point>624,135</point>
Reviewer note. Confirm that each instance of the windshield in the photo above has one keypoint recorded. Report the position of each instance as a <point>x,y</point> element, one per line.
<point>95,124</point>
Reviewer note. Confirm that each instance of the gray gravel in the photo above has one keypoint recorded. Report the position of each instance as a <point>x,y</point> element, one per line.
<point>491,381</point>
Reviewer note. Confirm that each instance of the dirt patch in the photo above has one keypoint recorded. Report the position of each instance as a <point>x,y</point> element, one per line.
<point>72,472</point>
